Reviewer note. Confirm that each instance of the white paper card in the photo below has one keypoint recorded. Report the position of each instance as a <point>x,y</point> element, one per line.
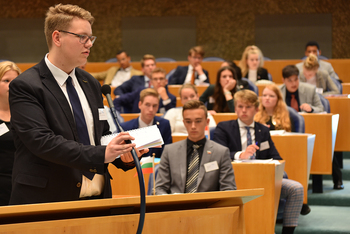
<point>319,90</point>
<point>102,114</point>
<point>3,129</point>
<point>264,145</point>
<point>211,166</point>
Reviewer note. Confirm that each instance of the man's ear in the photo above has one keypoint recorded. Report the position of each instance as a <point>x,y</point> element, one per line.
<point>318,52</point>
<point>140,104</point>
<point>56,39</point>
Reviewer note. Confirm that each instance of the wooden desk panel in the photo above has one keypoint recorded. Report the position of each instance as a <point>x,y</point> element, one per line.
<point>174,89</point>
<point>297,151</point>
<point>341,106</point>
<point>324,126</point>
<point>130,116</point>
<point>219,117</point>
<point>346,88</point>
<point>260,216</point>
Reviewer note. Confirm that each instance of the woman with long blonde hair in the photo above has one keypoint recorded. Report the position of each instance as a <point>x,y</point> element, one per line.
<point>251,64</point>
<point>273,110</point>
<point>8,72</point>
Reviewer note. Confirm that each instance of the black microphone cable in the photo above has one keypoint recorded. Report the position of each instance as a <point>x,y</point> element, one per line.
<point>106,90</point>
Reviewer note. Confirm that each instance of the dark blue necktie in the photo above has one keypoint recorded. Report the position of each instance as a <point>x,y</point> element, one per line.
<point>249,140</point>
<point>79,118</point>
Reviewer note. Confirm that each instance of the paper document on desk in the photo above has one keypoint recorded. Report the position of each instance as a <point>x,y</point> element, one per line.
<point>147,137</point>
<point>265,161</point>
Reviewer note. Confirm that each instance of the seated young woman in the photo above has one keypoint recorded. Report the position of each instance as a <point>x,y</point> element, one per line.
<point>219,97</point>
<point>273,111</point>
<point>251,64</point>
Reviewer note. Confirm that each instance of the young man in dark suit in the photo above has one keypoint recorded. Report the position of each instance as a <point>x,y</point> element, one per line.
<point>148,64</point>
<point>58,119</point>
<point>130,101</point>
<point>193,73</point>
<point>182,170</point>
<point>248,139</point>
<point>148,104</point>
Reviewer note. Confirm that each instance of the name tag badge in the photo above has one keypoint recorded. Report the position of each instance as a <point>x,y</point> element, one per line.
<point>319,90</point>
<point>102,114</point>
<point>264,145</point>
<point>211,166</point>
<point>3,129</point>
<point>211,99</point>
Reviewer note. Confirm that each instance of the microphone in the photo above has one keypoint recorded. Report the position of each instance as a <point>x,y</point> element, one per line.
<point>106,90</point>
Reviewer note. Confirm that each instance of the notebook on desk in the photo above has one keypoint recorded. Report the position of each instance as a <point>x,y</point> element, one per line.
<point>147,137</point>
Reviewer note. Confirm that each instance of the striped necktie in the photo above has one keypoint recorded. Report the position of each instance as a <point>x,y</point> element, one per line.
<point>249,139</point>
<point>193,171</point>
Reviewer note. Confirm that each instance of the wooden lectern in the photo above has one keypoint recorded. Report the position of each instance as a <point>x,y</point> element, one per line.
<point>212,212</point>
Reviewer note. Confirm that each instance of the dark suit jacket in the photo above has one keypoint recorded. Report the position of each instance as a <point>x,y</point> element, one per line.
<point>164,128</point>
<point>180,74</point>
<point>262,74</point>
<point>227,134</point>
<point>130,102</point>
<point>172,170</point>
<point>131,85</point>
<point>49,159</point>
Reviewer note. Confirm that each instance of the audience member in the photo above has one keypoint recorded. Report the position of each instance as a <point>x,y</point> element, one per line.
<point>241,84</point>
<point>187,93</point>
<point>312,75</point>
<point>148,104</point>
<point>273,111</point>
<point>299,95</point>
<point>8,72</point>
<point>184,164</point>
<point>57,122</point>
<point>193,73</point>
<point>248,139</point>
<point>117,75</point>
<point>148,63</point>
<point>219,97</point>
<point>130,101</point>
<point>312,47</point>
<point>251,64</point>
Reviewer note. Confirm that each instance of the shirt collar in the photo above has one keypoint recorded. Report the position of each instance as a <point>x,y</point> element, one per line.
<point>243,125</point>
<point>190,67</point>
<point>59,74</point>
<point>143,124</point>
<point>128,69</point>
<point>200,142</point>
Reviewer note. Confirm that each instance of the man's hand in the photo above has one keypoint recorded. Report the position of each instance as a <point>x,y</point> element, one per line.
<point>305,107</point>
<point>250,151</point>
<point>127,157</point>
<point>118,147</point>
<point>198,68</point>
<point>163,94</point>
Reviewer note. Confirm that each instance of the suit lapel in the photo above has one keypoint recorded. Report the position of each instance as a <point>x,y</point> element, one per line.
<point>257,137</point>
<point>182,160</point>
<point>206,157</point>
<point>51,84</point>
<point>236,132</point>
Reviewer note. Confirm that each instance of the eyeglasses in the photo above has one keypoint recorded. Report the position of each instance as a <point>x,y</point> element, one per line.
<point>158,79</point>
<point>82,38</point>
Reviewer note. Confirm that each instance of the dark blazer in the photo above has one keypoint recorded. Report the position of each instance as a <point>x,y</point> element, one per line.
<point>130,102</point>
<point>164,128</point>
<point>262,74</point>
<point>207,98</point>
<point>227,134</point>
<point>131,85</point>
<point>49,160</point>
<point>180,74</point>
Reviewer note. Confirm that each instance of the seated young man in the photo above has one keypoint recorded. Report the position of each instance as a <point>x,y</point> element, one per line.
<point>248,139</point>
<point>130,102</point>
<point>195,164</point>
<point>193,73</point>
<point>299,95</point>
<point>148,104</point>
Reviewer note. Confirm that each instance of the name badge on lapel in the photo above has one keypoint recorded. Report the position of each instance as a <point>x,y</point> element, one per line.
<point>264,146</point>
<point>211,166</point>
<point>102,114</point>
<point>3,129</point>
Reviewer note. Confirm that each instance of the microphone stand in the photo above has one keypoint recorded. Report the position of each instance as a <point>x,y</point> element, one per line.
<point>137,165</point>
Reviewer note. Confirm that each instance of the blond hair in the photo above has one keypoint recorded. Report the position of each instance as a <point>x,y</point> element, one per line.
<point>8,66</point>
<point>188,86</point>
<point>195,104</point>
<point>280,112</point>
<point>158,70</point>
<point>60,16</point>
<point>148,92</point>
<point>147,57</point>
<point>311,62</point>
<point>243,63</point>
<point>246,96</point>
<point>196,50</point>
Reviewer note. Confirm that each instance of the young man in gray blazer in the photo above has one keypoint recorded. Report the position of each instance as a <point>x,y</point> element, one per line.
<point>195,164</point>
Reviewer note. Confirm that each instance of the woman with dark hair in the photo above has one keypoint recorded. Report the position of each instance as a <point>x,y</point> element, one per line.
<point>8,72</point>
<point>241,84</point>
<point>219,97</point>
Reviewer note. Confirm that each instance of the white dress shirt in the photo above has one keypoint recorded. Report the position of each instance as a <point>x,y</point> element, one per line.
<point>121,76</point>
<point>243,133</point>
<point>199,81</point>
